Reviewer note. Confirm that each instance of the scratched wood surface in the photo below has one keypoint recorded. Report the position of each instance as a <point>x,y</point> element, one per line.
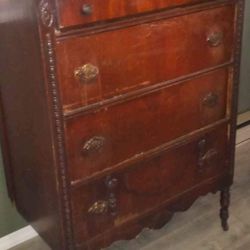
<point>198,228</point>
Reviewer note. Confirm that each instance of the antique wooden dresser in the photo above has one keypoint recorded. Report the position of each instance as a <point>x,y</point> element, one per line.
<point>115,114</point>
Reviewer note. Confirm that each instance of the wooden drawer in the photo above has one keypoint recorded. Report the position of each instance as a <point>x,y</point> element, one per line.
<point>96,67</point>
<point>78,12</point>
<point>113,134</point>
<point>120,198</point>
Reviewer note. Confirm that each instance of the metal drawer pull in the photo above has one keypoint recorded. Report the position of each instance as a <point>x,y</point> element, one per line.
<point>87,9</point>
<point>99,207</point>
<point>111,183</point>
<point>94,144</point>
<point>109,205</point>
<point>205,157</point>
<point>215,38</point>
<point>86,73</point>
<point>210,100</point>
<point>209,156</point>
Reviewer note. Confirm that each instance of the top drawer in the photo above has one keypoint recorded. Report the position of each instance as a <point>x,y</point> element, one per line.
<point>78,12</point>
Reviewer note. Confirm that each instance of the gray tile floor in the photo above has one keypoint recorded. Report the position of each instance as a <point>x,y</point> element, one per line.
<point>199,227</point>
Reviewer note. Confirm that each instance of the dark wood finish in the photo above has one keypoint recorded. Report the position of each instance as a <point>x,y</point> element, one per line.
<point>148,184</point>
<point>88,11</point>
<point>225,202</point>
<point>125,132</point>
<point>28,140</point>
<point>160,51</point>
<point>114,119</point>
<point>155,218</point>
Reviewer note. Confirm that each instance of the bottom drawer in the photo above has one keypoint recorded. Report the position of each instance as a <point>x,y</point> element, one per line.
<point>122,197</point>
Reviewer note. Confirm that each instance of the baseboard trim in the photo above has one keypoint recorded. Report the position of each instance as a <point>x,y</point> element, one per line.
<point>243,118</point>
<point>17,237</point>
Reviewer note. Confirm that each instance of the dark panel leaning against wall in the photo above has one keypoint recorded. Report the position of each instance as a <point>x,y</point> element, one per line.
<point>244,95</point>
<point>10,220</point>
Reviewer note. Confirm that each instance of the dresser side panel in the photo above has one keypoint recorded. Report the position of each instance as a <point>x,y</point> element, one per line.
<point>27,138</point>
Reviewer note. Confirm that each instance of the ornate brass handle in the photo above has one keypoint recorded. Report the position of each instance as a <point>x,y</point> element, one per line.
<point>215,38</point>
<point>111,184</point>
<point>210,100</point>
<point>94,144</point>
<point>205,156</point>
<point>87,9</point>
<point>86,73</point>
<point>99,207</point>
<point>109,205</point>
<point>209,156</point>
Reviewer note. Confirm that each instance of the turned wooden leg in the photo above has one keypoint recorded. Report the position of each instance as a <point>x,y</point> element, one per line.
<point>225,202</point>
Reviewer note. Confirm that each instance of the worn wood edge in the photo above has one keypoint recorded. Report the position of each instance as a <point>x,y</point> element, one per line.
<point>129,163</point>
<point>127,21</point>
<point>18,237</point>
<point>171,206</point>
<point>46,25</point>
<point>59,143</point>
<point>68,114</point>
<point>239,11</point>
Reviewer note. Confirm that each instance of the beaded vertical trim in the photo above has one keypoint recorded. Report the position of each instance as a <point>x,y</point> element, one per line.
<point>46,29</point>
<point>60,136</point>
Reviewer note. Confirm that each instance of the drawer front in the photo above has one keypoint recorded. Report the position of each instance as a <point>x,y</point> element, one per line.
<point>95,67</point>
<point>123,197</point>
<point>78,12</point>
<point>102,139</point>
